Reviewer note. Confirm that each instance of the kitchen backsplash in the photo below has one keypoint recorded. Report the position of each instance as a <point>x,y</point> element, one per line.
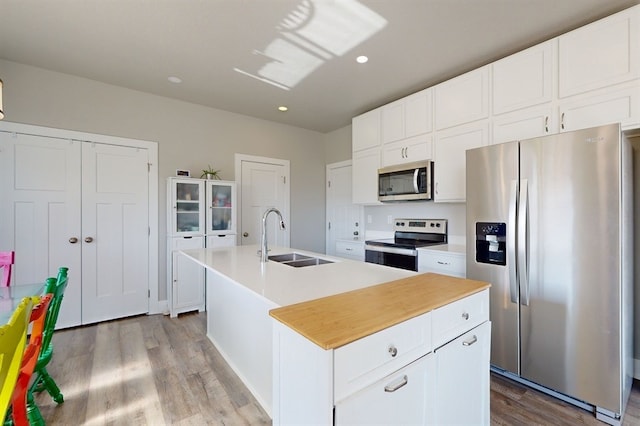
<point>379,219</point>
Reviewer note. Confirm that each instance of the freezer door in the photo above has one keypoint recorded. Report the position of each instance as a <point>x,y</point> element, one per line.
<point>570,313</point>
<point>492,176</point>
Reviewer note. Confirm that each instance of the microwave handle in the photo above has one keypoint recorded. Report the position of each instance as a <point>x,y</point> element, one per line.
<point>416,172</point>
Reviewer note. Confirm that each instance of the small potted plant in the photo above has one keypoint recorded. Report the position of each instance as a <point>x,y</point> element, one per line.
<point>209,173</point>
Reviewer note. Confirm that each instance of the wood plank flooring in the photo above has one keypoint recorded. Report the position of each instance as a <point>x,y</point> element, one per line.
<point>153,370</point>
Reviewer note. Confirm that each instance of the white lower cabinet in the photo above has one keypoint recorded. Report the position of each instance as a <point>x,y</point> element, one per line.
<point>446,262</point>
<point>350,249</point>
<point>461,368</point>
<point>398,399</point>
<point>187,277</point>
<point>392,377</point>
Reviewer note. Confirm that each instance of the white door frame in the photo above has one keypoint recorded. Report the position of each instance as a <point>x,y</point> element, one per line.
<point>239,158</point>
<point>152,147</point>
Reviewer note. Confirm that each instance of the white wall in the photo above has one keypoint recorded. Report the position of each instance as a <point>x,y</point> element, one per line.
<point>189,136</point>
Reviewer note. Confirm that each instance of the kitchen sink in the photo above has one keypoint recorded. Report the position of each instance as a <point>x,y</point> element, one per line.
<point>298,260</point>
<point>288,257</point>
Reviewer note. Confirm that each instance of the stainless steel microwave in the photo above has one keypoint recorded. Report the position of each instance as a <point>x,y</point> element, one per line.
<point>406,182</point>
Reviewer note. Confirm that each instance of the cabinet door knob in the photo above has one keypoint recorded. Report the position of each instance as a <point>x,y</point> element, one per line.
<point>393,351</point>
<point>246,234</point>
<point>465,315</point>
<point>88,240</point>
<point>73,240</point>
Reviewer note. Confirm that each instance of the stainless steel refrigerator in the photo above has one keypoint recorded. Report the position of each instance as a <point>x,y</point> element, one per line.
<point>550,226</point>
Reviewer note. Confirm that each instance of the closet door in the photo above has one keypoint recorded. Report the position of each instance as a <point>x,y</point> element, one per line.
<point>115,232</point>
<point>40,212</point>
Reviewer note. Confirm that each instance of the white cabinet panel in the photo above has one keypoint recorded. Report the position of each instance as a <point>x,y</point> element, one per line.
<point>454,319</point>
<point>450,159</point>
<point>402,398</point>
<point>365,165</point>
<point>350,249</point>
<point>524,124</point>
<point>364,361</point>
<point>621,105</point>
<point>393,121</point>
<point>601,54</point>
<point>407,151</point>
<point>524,79</point>
<point>187,286</point>
<point>407,117</point>
<point>462,379</point>
<point>462,99</point>
<point>442,262</point>
<point>365,130</point>
<point>221,240</point>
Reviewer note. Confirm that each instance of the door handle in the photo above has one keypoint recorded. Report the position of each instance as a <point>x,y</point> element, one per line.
<point>394,387</point>
<point>470,341</point>
<point>88,240</point>
<point>246,234</point>
<point>511,243</point>
<point>523,243</point>
<point>73,240</point>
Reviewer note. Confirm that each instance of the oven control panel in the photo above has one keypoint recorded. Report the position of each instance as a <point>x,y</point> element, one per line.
<point>432,226</point>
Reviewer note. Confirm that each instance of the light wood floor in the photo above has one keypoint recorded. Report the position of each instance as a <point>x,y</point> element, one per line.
<point>153,370</point>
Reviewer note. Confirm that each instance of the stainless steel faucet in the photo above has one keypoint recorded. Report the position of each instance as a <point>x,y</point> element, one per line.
<point>264,250</point>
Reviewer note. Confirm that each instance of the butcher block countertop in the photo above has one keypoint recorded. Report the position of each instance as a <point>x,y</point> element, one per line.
<point>334,321</point>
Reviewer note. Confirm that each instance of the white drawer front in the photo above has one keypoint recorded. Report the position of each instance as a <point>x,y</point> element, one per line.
<point>442,263</point>
<point>371,358</point>
<point>457,318</point>
<point>352,250</point>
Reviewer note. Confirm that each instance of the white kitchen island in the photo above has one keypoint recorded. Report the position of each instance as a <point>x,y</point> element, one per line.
<point>343,331</point>
<point>240,292</point>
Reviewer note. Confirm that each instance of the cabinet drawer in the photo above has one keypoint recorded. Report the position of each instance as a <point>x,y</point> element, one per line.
<point>371,358</point>
<point>442,263</point>
<point>457,318</point>
<point>350,249</point>
<point>401,398</point>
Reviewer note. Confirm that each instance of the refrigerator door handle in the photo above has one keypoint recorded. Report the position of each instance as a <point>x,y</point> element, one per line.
<point>523,244</point>
<point>511,243</point>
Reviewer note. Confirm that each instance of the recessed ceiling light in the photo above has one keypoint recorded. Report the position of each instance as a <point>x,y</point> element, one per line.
<point>283,108</point>
<point>174,79</point>
<point>362,59</point>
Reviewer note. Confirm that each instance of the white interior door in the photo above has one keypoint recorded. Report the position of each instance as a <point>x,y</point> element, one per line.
<point>343,217</point>
<point>263,183</point>
<point>115,232</point>
<point>40,208</point>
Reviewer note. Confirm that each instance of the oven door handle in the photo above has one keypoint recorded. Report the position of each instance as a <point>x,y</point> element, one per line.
<point>393,250</point>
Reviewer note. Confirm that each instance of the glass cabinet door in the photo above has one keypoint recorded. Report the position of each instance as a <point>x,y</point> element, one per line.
<point>221,198</point>
<point>188,207</point>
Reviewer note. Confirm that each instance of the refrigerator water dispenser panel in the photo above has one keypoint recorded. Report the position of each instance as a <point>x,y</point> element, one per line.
<point>491,246</point>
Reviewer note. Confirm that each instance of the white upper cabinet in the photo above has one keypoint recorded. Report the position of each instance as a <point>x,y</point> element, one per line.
<point>407,117</point>
<point>524,79</point>
<point>407,150</point>
<point>364,169</point>
<point>462,99</point>
<point>365,130</point>
<point>450,159</point>
<point>618,104</point>
<point>524,124</point>
<point>600,54</point>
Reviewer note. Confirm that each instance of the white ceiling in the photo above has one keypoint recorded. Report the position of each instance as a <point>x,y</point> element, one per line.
<point>412,44</point>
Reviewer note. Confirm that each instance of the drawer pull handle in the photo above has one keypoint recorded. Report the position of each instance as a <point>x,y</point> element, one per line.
<point>393,351</point>
<point>442,263</point>
<point>465,315</point>
<point>395,387</point>
<point>470,341</point>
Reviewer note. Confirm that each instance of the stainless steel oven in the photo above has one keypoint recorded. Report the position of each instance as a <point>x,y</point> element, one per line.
<point>402,250</point>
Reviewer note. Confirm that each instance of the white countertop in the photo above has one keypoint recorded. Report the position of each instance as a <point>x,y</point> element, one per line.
<point>285,285</point>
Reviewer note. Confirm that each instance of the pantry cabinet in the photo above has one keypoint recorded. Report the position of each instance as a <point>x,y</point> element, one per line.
<point>201,213</point>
